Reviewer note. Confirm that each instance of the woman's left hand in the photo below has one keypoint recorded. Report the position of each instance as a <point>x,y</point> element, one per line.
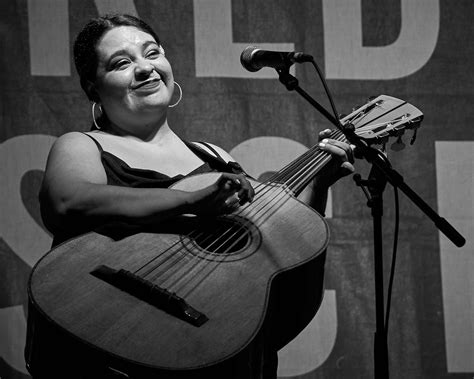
<point>341,164</point>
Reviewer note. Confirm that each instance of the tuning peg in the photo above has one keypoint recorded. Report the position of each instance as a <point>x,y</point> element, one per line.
<point>398,144</point>
<point>413,137</point>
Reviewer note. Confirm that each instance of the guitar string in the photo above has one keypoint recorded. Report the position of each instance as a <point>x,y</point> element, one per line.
<point>273,178</point>
<point>336,134</point>
<point>231,229</point>
<point>229,248</point>
<point>166,272</point>
<point>224,255</point>
<point>176,243</point>
<point>309,174</point>
<point>160,263</point>
<point>147,263</point>
<point>339,137</point>
<point>197,258</point>
<point>196,236</point>
<point>359,117</point>
<point>226,240</point>
<point>179,259</point>
<point>239,233</point>
<point>296,177</point>
<point>217,263</point>
<point>256,210</point>
<point>191,235</point>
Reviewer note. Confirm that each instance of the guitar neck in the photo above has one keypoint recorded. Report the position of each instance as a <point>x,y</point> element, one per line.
<point>376,121</point>
<point>298,174</point>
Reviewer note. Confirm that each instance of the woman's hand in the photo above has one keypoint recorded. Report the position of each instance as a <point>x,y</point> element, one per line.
<point>341,164</point>
<point>224,196</point>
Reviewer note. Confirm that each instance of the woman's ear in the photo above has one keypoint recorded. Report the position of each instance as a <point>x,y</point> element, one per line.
<point>91,91</point>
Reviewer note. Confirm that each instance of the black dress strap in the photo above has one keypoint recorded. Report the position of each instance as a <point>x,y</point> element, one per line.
<point>209,146</point>
<point>99,146</point>
<point>216,161</point>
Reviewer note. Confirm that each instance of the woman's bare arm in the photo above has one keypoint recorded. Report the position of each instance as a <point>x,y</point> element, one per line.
<point>75,192</point>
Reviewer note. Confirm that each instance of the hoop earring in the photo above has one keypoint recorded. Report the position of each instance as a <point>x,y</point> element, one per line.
<point>93,114</point>
<point>180,96</point>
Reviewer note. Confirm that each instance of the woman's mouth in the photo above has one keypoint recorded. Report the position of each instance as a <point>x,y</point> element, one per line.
<point>148,85</point>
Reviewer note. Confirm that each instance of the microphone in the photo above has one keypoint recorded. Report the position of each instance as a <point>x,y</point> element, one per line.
<point>253,59</point>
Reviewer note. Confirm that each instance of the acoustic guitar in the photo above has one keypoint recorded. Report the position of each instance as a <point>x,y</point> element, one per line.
<point>197,291</point>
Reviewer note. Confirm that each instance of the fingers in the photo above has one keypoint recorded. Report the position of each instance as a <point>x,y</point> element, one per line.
<point>236,184</point>
<point>343,153</point>
<point>324,134</point>
<point>246,192</point>
<point>222,197</point>
<point>341,150</point>
<point>346,169</point>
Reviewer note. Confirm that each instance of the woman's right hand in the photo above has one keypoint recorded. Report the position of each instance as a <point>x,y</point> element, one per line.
<point>224,196</point>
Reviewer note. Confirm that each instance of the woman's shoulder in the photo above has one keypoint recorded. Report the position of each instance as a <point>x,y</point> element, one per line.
<point>74,155</point>
<point>73,137</point>
<point>72,143</point>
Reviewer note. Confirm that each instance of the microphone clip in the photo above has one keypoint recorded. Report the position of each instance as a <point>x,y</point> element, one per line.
<point>288,80</point>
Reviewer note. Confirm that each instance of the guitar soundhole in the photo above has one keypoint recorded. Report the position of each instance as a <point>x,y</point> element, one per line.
<point>226,239</point>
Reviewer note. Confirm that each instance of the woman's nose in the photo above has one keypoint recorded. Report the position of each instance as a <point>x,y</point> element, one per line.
<point>143,68</point>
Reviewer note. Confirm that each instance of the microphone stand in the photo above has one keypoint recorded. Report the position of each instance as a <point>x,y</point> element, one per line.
<point>376,184</point>
<point>381,173</point>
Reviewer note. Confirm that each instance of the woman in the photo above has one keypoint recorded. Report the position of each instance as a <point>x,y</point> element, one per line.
<point>121,170</point>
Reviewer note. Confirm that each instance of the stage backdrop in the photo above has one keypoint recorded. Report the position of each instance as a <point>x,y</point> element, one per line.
<point>418,50</point>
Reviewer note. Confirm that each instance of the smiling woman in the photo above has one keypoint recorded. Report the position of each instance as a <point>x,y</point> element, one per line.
<point>123,69</point>
<point>134,79</point>
<point>125,175</point>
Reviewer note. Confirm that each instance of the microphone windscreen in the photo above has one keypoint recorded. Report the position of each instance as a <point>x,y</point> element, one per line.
<point>246,59</point>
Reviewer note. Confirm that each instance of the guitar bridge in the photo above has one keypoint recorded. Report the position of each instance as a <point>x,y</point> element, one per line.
<point>159,297</point>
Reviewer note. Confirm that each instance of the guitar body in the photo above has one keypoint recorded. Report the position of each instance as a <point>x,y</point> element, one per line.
<point>269,280</point>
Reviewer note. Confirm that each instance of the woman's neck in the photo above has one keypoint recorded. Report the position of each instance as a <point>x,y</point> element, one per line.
<point>157,133</point>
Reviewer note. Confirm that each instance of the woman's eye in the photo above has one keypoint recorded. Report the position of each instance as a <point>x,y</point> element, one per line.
<point>120,64</point>
<point>153,54</point>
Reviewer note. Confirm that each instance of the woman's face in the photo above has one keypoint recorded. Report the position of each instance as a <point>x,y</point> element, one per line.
<point>134,80</point>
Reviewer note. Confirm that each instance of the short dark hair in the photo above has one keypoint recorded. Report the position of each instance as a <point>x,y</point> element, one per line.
<point>85,52</point>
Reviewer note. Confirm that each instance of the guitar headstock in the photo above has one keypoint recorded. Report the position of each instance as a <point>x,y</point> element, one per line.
<point>383,117</point>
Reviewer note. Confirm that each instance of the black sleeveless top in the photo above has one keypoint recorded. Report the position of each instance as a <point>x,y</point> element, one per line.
<point>120,173</point>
